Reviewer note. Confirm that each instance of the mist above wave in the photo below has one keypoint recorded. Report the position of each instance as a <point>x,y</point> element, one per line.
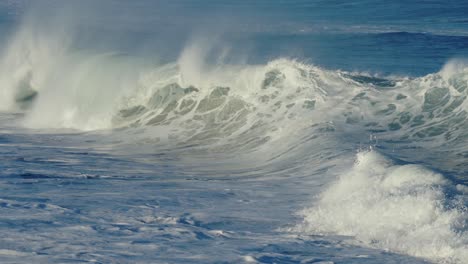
<point>64,87</point>
<point>62,77</point>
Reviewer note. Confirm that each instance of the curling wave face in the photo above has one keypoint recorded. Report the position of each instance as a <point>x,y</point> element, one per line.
<point>195,101</point>
<point>191,101</point>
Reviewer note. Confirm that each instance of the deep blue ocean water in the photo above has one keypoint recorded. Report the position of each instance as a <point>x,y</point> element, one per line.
<point>233,131</point>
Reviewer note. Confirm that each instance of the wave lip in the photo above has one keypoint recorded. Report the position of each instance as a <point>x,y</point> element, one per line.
<point>400,208</point>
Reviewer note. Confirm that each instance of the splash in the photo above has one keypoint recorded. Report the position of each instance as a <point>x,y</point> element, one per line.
<point>401,208</point>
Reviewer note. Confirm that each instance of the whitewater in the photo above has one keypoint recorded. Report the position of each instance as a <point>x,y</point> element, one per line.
<point>133,139</point>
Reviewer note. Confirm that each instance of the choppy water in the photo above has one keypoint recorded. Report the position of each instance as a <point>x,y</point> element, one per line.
<point>233,132</point>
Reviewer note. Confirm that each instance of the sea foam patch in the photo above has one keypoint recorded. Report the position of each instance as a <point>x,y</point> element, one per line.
<point>400,208</point>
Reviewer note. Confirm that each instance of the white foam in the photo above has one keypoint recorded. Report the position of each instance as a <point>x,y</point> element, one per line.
<point>249,259</point>
<point>454,67</point>
<point>12,253</point>
<point>400,208</point>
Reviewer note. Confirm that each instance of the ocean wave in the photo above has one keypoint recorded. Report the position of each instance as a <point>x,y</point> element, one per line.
<point>197,97</point>
<point>201,116</point>
<point>401,208</point>
<point>199,100</point>
<point>196,100</point>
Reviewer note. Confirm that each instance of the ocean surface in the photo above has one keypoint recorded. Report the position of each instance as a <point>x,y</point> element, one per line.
<point>234,131</point>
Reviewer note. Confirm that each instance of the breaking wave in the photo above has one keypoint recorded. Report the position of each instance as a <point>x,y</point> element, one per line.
<point>193,100</point>
<point>284,108</point>
<point>200,100</point>
<point>400,208</point>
